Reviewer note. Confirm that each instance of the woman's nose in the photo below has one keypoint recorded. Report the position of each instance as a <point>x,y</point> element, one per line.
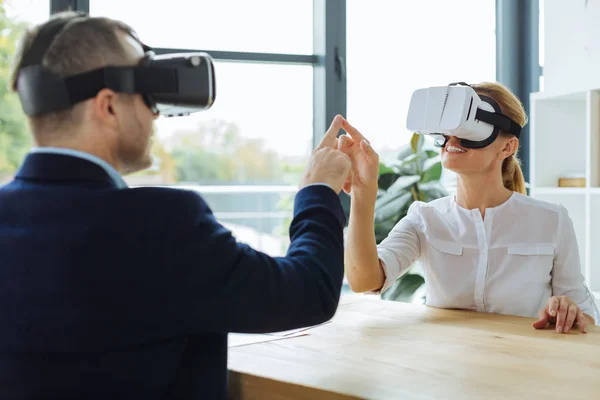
<point>453,140</point>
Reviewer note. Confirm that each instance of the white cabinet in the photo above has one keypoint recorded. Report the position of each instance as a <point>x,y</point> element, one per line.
<point>565,142</point>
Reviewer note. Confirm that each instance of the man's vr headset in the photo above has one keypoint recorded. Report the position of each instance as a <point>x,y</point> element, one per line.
<point>457,110</point>
<point>171,85</point>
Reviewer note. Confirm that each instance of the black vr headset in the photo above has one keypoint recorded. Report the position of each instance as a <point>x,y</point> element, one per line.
<point>172,85</point>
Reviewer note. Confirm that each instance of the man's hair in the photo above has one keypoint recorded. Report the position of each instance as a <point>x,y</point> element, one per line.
<point>84,44</point>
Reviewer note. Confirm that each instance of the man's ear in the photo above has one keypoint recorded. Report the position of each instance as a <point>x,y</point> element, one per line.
<point>104,106</point>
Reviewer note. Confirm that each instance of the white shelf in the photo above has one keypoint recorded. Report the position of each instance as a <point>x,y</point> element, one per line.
<point>566,190</point>
<point>565,140</point>
<point>565,96</point>
<point>561,190</point>
<point>560,148</point>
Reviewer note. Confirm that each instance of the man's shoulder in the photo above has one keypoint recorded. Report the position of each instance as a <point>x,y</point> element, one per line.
<point>154,208</point>
<point>176,200</point>
<point>162,192</point>
<point>171,201</point>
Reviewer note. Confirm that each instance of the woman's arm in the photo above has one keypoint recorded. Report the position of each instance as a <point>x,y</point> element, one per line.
<point>571,301</point>
<point>567,279</point>
<point>363,270</point>
<point>375,268</point>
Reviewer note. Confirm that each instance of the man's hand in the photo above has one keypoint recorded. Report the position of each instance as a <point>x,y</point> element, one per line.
<point>327,164</point>
<point>563,312</point>
<point>365,162</point>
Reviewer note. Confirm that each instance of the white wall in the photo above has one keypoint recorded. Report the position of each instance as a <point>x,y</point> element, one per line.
<point>571,45</point>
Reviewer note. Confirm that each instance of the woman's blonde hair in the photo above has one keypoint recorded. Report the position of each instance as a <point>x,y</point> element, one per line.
<point>511,106</point>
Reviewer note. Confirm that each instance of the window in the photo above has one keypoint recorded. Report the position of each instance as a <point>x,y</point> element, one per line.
<point>267,26</point>
<point>15,16</point>
<point>247,153</point>
<point>396,47</point>
<point>259,128</point>
<point>259,133</point>
<point>27,11</point>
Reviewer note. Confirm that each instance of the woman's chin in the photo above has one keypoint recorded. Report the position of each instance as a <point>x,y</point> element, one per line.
<point>452,164</point>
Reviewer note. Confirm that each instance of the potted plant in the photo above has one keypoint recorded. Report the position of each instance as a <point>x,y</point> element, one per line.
<point>414,175</point>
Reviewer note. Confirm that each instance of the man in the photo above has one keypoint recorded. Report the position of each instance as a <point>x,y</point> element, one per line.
<point>109,291</point>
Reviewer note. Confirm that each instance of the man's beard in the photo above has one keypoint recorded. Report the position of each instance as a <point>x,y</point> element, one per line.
<point>136,149</point>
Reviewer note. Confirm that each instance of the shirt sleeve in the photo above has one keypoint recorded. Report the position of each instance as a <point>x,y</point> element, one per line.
<point>211,283</point>
<point>319,184</point>
<point>400,249</point>
<point>567,279</point>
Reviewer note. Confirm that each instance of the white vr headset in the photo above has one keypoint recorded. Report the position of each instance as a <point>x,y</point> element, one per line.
<point>457,110</point>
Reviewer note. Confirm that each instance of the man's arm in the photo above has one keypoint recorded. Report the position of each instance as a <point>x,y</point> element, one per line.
<point>221,285</point>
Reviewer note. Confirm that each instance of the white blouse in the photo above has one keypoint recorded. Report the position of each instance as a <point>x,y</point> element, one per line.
<point>511,262</point>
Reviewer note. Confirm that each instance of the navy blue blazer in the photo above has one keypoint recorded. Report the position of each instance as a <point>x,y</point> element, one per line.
<point>108,293</point>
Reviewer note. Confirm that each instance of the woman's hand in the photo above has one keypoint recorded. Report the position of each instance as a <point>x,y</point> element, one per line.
<point>365,162</point>
<point>563,312</point>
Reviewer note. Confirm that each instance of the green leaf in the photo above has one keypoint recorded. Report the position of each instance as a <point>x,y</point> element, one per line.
<point>383,229</point>
<point>404,152</point>
<point>431,153</point>
<point>431,185</point>
<point>404,288</point>
<point>423,157</point>
<point>410,168</point>
<point>432,190</point>
<point>403,182</point>
<point>432,171</point>
<point>389,206</point>
<point>416,142</point>
<point>413,159</point>
<point>384,169</point>
<point>408,162</point>
<point>386,180</point>
<point>413,163</point>
<point>431,161</point>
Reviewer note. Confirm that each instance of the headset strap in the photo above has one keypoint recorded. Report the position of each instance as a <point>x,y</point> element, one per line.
<point>44,39</point>
<point>498,120</point>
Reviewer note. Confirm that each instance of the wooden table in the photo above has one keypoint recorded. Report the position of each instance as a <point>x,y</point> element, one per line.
<point>376,349</point>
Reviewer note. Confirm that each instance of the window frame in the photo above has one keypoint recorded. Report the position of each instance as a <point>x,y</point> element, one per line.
<point>517,63</point>
<point>327,60</point>
<point>517,58</point>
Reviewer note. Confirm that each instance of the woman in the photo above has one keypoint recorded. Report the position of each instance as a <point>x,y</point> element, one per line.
<point>490,248</point>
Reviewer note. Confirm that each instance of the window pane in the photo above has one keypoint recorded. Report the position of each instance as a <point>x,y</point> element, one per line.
<point>268,26</point>
<point>395,47</point>
<point>15,16</point>
<point>29,11</point>
<point>261,122</point>
<point>247,153</point>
